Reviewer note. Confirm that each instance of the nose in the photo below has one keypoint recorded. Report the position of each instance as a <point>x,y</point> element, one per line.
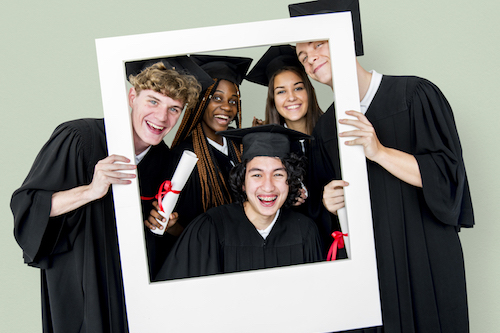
<point>268,184</point>
<point>225,106</point>
<point>291,96</point>
<point>162,114</point>
<point>312,57</point>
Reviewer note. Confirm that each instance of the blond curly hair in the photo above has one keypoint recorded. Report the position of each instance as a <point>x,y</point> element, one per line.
<point>181,87</point>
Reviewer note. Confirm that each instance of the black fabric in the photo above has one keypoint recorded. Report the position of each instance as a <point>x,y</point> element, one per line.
<point>190,203</point>
<point>333,6</point>
<point>276,58</point>
<point>419,256</point>
<point>265,140</point>
<point>223,240</point>
<point>232,69</point>
<point>182,64</point>
<point>77,252</point>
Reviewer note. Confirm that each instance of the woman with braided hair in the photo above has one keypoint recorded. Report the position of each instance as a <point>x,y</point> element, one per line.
<point>217,107</point>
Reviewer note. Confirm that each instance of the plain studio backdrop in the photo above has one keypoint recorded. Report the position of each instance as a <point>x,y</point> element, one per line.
<point>49,75</point>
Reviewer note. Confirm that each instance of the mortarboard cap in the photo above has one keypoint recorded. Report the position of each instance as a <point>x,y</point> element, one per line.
<point>275,58</point>
<point>332,6</point>
<point>182,64</point>
<point>232,69</point>
<point>267,140</point>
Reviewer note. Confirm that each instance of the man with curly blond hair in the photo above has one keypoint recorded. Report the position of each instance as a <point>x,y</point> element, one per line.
<point>64,213</point>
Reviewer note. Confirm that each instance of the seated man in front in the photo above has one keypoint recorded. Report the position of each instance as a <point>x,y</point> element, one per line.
<point>258,231</point>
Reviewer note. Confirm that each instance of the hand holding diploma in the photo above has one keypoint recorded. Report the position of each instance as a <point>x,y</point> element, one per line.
<point>169,197</point>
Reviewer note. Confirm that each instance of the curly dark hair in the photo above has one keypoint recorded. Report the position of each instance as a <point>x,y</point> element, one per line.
<point>295,170</point>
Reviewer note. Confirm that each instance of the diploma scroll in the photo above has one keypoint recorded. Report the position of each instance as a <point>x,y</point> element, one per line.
<point>344,226</point>
<point>181,175</point>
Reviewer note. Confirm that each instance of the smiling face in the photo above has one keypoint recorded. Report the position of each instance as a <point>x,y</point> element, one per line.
<point>221,110</point>
<point>266,188</point>
<point>290,98</point>
<point>153,116</point>
<point>315,57</point>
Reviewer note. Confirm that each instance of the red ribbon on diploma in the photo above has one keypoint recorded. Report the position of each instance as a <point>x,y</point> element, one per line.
<point>165,187</point>
<point>338,243</point>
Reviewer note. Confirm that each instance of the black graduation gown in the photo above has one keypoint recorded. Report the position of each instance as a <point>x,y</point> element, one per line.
<point>190,203</point>
<point>302,149</point>
<point>223,240</point>
<point>419,256</point>
<point>77,252</point>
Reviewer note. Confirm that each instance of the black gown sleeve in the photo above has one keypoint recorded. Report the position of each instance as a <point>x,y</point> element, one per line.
<point>439,156</point>
<point>60,165</point>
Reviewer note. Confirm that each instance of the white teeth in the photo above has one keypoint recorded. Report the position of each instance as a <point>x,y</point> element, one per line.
<point>222,117</point>
<point>293,107</point>
<point>155,126</point>
<point>267,199</point>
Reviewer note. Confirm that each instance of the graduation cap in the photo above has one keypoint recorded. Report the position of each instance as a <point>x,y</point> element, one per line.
<point>232,69</point>
<point>275,58</point>
<point>332,6</point>
<point>267,140</point>
<point>182,64</point>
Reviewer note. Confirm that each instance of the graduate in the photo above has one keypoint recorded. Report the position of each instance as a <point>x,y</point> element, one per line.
<point>418,185</point>
<point>218,107</point>
<point>258,231</point>
<point>291,99</point>
<point>64,215</point>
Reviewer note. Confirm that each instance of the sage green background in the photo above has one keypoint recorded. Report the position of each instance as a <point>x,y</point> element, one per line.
<point>49,75</point>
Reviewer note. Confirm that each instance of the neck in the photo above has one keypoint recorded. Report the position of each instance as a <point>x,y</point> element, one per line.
<point>260,222</point>
<point>364,79</point>
<point>138,147</point>
<point>299,125</point>
<point>209,133</point>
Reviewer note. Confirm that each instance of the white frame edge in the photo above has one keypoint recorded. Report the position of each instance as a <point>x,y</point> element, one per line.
<point>304,298</point>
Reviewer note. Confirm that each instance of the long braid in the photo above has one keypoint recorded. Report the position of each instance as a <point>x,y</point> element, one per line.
<point>215,191</point>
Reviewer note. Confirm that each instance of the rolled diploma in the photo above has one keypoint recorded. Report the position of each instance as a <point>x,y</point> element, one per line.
<point>179,179</point>
<point>342,215</point>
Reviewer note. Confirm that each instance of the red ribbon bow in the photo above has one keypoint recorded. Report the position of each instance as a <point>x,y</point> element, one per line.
<point>338,243</point>
<point>165,187</point>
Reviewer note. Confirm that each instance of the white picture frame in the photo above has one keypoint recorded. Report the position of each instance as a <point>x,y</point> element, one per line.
<point>319,297</point>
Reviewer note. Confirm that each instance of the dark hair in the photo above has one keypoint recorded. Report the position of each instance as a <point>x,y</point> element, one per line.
<point>295,170</point>
<point>313,109</point>
<point>215,191</point>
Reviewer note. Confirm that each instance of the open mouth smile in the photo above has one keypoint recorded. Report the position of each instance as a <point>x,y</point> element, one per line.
<point>293,107</point>
<point>267,200</point>
<point>155,127</point>
<point>222,118</point>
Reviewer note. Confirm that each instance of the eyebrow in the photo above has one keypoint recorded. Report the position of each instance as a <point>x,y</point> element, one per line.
<point>153,97</point>
<point>223,92</point>
<point>258,169</point>
<point>298,54</point>
<point>283,87</point>
<point>172,106</point>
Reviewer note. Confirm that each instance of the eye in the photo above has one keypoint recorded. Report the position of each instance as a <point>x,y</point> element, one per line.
<point>216,98</point>
<point>299,88</point>
<point>319,44</point>
<point>303,60</point>
<point>153,102</point>
<point>175,110</point>
<point>256,175</point>
<point>279,175</point>
<point>233,102</point>
<point>280,92</point>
